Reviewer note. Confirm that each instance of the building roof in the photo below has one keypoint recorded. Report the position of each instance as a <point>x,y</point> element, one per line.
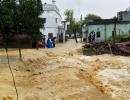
<point>106,21</point>
<point>128,9</point>
<point>51,7</point>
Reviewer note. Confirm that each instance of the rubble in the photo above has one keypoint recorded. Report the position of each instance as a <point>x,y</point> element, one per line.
<point>108,48</point>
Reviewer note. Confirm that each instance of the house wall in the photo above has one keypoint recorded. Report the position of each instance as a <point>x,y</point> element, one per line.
<point>51,26</point>
<point>95,29</point>
<point>109,29</point>
<point>106,30</point>
<point>123,28</point>
<point>84,35</point>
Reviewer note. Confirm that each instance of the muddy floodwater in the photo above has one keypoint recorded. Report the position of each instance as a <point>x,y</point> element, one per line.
<point>64,73</point>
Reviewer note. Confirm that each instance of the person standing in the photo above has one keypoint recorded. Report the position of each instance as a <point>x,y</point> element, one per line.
<point>49,43</point>
<point>54,41</point>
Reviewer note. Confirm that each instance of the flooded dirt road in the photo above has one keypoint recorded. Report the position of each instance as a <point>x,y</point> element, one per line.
<point>63,73</point>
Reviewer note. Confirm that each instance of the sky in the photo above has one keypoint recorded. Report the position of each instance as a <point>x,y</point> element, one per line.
<point>104,8</point>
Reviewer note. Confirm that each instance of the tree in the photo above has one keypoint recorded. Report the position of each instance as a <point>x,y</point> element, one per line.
<point>21,16</point>
<point>92,17</point>
<point>69,14</point>
<point>115,17</point>
<point>29,17</point>
<point>6,19</point>
<point>76,29</point>
<point>74,26</point>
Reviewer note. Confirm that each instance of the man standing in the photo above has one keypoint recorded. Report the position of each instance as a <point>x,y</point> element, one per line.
<point>53,41</point>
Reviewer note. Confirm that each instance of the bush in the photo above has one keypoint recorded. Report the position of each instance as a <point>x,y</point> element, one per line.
<point>120,38</point>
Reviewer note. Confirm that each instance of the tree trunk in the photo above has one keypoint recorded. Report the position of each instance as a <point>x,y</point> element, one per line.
<point>81,36</point>
<point>19,42</point>
<point>75,38</point>
<point>20,54</point>
<point>19,46</point>
<point>37,44</point>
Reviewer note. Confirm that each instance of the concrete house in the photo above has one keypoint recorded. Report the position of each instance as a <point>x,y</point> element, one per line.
<point>53,22</point>
<point>102,30</point>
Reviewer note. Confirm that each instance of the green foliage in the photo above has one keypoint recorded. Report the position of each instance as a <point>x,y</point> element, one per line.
<point>92,17</point>
<point>69,15</point>
<point>21,16</point>
<point>74,26</point>
<point>6,15</point>
<point>115,17</point>
<point>30,10</point>
<point>120,38</point>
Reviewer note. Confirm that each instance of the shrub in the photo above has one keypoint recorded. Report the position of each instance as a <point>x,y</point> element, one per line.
<point>120,38</point>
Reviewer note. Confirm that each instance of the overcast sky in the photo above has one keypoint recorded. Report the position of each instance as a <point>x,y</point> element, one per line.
<point>104,8</point>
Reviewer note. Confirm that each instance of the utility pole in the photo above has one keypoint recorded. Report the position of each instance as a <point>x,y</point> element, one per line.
<point>81,22</point>
<point>64,34</point>
<point>114,31</point>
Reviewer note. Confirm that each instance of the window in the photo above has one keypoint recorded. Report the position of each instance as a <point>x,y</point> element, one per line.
<point>56,20</point>
<point>113,33</point>
<point>50,35</point>
<point>98,35</point>
<point>120,17</point>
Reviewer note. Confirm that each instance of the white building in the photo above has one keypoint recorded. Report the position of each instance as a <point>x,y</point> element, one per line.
<point>53,26</point>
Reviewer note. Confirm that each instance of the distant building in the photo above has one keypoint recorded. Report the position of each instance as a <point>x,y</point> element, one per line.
<point>124,15</point>
<point>102,30</point>
<point>53,26</point>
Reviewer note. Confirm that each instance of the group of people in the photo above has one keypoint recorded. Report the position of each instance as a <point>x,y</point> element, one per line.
<point>51,42</point>
<point>91,37</point>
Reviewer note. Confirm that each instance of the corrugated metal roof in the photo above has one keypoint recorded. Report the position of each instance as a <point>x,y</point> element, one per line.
<point>106,21</point>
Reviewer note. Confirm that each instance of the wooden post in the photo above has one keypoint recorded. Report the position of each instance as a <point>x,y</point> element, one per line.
<point>110,48</point>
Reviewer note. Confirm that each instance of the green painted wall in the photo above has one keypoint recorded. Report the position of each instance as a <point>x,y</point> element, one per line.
<point>106,30</point>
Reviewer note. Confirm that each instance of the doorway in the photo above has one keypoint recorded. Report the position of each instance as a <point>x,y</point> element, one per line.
<point>50,35</point>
